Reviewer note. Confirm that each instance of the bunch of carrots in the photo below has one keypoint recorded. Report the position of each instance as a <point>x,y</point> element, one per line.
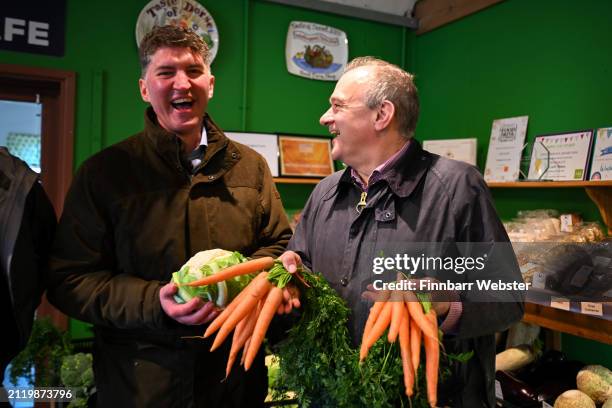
<point>250,313</point>
<point>403,315</point>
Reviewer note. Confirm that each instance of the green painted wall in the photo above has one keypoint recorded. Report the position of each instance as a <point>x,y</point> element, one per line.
<point>547,59</point>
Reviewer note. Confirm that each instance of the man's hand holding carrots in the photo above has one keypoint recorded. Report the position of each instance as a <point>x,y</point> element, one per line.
<point>291,295</point>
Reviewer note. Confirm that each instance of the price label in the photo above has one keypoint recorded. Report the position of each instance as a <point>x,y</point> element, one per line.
<point>498,390</point>
<point>591,308</point>
<point>560,303</point>
<point>539,280</point>
<point>566,223</point>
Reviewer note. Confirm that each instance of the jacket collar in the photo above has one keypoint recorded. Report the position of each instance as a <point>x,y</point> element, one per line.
<point>406,174</point>
<point>169,146</point>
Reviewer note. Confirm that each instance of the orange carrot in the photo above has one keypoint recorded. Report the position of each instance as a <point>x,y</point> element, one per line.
<point>404,341</point>
<point>238,332</point>
<point>432,360</point>
<point>259,290</point>
<point>415,345</point>
<point>416,312</point>
<point>377,330</point>
<point>219,320</point>
<point>379,302</point>
<point>244,350</point>
<point>396,316</point>
<point>252,266</point>
<point>243,331</point>
<point>374,313</point>
<point>274,299</point>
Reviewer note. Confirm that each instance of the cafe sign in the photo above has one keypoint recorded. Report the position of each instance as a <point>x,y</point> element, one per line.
<point>38,29</point>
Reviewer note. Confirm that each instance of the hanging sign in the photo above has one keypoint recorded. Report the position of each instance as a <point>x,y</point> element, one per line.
<point>184,13</point>
<point>316,51</point>
<point>33,27</point>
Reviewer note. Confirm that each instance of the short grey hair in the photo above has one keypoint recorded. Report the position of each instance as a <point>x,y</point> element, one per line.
<point>395,85</point>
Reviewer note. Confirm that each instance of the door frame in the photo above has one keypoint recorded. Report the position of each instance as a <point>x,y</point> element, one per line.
<point>57,122</point>
<point>56,90</point>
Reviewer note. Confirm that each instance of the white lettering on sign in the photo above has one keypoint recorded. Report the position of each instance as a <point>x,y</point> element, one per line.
<point>37,32</point>
<point>11,27</point>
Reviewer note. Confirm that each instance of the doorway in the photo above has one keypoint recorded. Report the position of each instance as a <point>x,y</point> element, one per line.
<point>46,97</point>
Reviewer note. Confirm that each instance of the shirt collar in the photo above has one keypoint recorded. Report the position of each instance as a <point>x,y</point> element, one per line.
<point>405,174</point>
<point>380,171</point>
<point>204,138</point>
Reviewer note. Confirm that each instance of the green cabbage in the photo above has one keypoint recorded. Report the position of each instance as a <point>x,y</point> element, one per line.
<point>208,263</point>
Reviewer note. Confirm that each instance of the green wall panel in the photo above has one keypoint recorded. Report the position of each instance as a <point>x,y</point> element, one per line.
<point>281,102</point>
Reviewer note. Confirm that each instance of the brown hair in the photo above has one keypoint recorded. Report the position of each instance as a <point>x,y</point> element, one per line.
<point>170,36</point>
<point>395,85</point>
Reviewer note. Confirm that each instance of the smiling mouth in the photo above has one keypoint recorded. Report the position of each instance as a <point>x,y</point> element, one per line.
<point>182,104</point>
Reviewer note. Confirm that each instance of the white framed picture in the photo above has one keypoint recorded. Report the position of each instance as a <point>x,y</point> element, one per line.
<point>263,143</point>
<point>505,149</point>
<point>561,156</point>
<point>456,149</point>
<point>601,167</point>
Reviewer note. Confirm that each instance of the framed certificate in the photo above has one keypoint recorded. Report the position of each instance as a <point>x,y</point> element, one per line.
<point>505,149</point>
<point>263,143</point>
<point>456,149</point>
<point>305,156</point>
<point>561,156</point>
<point>601,167</point>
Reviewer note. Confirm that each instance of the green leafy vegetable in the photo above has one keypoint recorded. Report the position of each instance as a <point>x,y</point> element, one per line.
<point>208,263</point>
<point>278,275</point>
<point>77,373</point>
<point>43,354</point>
<point>318,363</point>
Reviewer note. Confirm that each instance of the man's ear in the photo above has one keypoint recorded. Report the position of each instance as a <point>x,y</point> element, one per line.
<point>144,93</point>
<point>211,87</point>
<point>384,115</point>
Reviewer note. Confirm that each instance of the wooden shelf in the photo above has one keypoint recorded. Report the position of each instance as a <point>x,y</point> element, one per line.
<point>296,180</point>
<point>600,193</point>
<point>577,324</point>
<point>551,184</point>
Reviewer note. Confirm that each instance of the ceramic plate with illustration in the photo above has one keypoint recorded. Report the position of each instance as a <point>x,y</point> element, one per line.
<point>316,51</point>
<point>185,13</point>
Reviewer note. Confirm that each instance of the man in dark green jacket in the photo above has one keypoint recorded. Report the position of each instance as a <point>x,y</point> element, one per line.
<point>136,212</point>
